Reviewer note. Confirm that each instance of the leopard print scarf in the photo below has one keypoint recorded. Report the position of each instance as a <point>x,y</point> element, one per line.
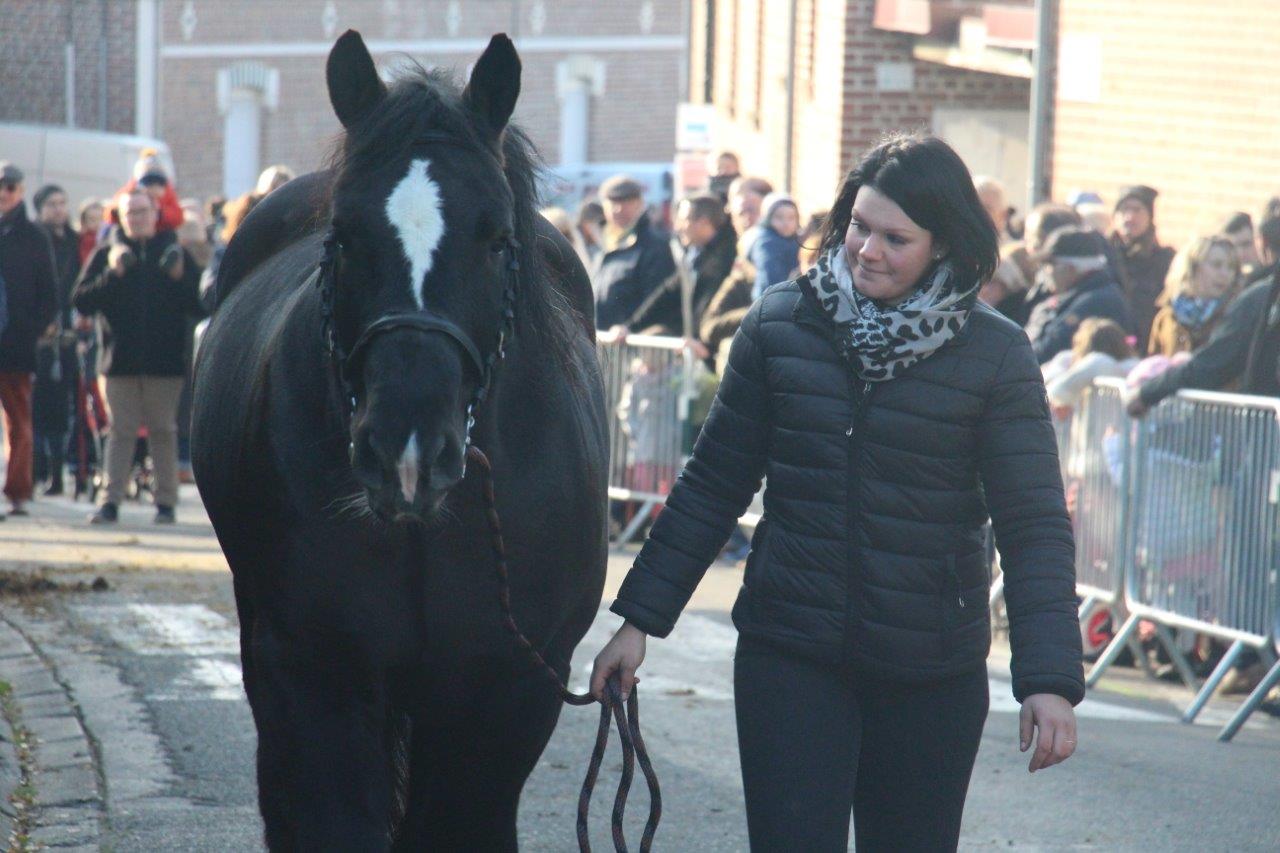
<point>881,342</point>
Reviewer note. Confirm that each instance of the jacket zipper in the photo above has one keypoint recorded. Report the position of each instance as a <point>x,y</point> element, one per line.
<point>955,578</point>
<point>860,393</point>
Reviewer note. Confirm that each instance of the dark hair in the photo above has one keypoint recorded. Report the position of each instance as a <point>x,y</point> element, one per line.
<point>929,181</point>
<point>708,206</point>
<point>1050,216</point>
<point>1269,233</point>
<point>591,211</point>
<point>1272,210</point>
<point>42,195</point>
<point>1237,221</point>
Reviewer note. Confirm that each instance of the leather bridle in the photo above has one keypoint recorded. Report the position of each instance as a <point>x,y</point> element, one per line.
<point>346,363</point>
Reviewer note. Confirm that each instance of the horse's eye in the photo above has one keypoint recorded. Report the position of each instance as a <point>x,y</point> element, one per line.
<point>498,246</point>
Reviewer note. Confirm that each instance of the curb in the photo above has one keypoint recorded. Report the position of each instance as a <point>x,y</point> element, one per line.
<point>59,803</point>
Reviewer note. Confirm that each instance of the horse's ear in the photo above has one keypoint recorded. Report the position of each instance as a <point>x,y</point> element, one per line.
<point>495,83</point>
<point>354,84</point>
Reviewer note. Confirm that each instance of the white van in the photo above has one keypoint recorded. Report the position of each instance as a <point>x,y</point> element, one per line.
<point>83,162</point>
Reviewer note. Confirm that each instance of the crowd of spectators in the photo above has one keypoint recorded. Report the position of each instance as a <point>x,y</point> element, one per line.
<point>96,323</point>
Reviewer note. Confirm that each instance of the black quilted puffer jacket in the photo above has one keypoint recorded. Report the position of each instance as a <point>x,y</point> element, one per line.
<point>870,551</point>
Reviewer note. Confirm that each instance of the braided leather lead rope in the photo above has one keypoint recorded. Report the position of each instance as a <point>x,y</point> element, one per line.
<point>627,716</point>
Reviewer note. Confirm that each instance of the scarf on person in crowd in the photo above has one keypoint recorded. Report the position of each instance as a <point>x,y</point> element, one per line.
<point>1193,311</point>
<point>879,342</point>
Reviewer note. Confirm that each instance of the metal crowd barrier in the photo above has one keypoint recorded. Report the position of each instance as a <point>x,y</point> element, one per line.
<point>1204,484</point>
<point>649,383</point>
<point>1176,515</point>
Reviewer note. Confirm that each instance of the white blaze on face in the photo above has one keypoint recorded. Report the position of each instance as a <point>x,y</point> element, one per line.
<point>414,210</point>
<point>408,469</point>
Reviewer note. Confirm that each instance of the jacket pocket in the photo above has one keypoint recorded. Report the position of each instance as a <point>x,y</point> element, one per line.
<point>759,543</point>
<point>965,624</point>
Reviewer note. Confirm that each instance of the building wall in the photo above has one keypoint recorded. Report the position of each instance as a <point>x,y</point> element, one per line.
<point>839,110</point>
<point>633,120</point>
<point>870,113</point>
<point>33,37</point>
<point>1186,100</point>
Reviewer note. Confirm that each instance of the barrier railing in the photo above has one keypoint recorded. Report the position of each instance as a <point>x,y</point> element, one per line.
<point>648,388</point>
<point>1205,482</point>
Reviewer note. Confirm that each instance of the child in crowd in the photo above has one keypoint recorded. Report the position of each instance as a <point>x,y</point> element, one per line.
<point>776,252</point>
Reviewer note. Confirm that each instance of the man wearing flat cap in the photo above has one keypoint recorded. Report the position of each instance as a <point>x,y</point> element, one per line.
<point>26,268</point>
<point>1144,262</point>
<point>1075,259</point>
<point>635,259</point>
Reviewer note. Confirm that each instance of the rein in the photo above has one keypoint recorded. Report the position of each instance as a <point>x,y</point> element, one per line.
<point>345,366</point>
<point>626,715</point>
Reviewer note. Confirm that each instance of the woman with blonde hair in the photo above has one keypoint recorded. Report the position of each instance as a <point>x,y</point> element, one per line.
<point>1203,279</point>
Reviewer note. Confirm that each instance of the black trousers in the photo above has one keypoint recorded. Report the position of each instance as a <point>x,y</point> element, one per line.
<point>819,741</point>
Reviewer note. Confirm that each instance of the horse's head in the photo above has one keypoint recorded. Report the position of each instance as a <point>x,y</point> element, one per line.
<point>423,264</point>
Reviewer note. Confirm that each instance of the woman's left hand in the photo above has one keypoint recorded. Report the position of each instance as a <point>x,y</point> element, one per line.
<point>1048,721</point>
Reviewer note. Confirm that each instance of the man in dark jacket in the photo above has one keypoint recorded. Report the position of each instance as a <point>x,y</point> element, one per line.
<point>1144,261</point>
<point>56,367</point>
<point>1082,288</point>
<point>635,259</point>
<point>26,267</point>
<point>146,288</point>
<point>705,248</point>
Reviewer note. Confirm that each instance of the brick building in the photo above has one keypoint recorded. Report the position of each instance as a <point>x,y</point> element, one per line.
<point>858,69</point>
<point>235,85</point>
<point>1171,93</point>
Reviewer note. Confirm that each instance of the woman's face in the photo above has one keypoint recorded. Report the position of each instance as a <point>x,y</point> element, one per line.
<point>888,252</point>
<point>1216,274</point>
<point>785,220</point>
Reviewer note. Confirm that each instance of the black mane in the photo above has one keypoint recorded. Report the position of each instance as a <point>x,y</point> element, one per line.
<point>422,102</point>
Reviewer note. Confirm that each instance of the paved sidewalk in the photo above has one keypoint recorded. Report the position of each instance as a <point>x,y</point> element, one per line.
<point>49,785</point>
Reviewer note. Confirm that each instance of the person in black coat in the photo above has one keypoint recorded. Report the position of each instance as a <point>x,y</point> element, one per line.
<point>146,287</point>
<point>56,367</point>
<point>889,413</point>
<point>1082,288</point>
<point>26,269</point>
<point>635,260</point>
<point>704,254</point>
<point>1144,261</point>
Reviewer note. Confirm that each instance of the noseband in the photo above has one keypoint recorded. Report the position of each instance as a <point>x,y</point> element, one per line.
<point>346,364</point>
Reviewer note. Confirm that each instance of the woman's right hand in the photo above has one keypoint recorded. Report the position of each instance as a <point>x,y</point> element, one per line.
<point>623,654</point>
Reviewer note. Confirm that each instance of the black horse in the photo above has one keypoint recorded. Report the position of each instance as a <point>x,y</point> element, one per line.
<point>362,314</point>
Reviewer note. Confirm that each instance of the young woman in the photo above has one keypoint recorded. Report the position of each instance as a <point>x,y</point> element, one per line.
<point>891,412</point>
<point>776,251</point>
<point>1203,279</point>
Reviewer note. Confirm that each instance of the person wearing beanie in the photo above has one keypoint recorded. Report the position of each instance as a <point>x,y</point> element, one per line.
<point>1075,263</point>
<point>775,253</point>
<point>1144,262</point>
<point>150,174</point>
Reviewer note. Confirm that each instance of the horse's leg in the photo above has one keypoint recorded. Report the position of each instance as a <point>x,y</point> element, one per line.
<point>325,779</point>
<point>470,760</point>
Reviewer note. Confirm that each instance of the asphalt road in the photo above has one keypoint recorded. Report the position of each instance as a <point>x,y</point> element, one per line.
<point>152,664</point>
